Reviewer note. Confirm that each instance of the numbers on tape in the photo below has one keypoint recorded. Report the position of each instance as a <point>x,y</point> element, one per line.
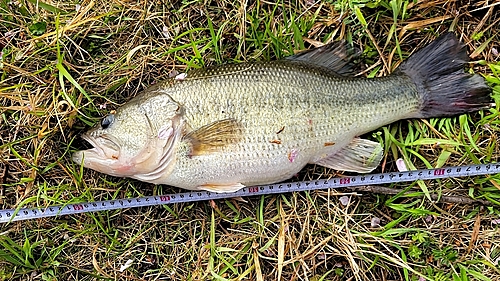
<point>370,179</point>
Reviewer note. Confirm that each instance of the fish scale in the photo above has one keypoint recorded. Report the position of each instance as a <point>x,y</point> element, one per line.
<point>226,127</point>
<point>314,95</point>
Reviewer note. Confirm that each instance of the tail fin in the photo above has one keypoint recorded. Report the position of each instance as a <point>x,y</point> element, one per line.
<point>438,72</point>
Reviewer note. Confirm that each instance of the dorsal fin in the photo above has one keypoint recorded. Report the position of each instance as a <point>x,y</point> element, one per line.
<point>337,56</point>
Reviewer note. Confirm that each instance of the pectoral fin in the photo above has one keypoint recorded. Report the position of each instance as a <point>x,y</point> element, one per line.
<point>361,156</point>
<point>215,135</point>
<point>222,188</point>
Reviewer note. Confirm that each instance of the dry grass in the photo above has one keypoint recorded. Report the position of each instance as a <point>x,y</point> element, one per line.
<point>63,68</point>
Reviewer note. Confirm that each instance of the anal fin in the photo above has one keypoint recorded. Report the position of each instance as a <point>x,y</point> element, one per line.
<point>360,156</point>
<point>221,188</point>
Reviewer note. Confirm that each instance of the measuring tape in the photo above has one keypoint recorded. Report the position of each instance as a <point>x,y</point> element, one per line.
<point>371,179</point>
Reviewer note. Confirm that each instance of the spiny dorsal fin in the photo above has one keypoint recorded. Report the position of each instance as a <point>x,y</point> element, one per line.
<point>214,135</point>
<point>337,56</point>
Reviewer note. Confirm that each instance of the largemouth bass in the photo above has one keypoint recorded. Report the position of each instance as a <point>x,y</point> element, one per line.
<point>230,126</point>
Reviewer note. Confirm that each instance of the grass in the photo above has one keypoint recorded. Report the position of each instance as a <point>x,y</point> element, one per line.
<point>64,66</point>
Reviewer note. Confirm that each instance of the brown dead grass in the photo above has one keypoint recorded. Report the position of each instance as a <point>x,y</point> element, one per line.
<point>115,49</point>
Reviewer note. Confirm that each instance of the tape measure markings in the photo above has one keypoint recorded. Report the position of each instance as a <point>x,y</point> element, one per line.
<point>370,179</point>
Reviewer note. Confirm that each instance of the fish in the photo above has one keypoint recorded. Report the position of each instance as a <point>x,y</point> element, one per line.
<point>225,127</point>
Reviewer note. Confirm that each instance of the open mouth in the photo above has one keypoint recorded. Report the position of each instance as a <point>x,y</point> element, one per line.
<point>96,149</point>
<point>103,148</point>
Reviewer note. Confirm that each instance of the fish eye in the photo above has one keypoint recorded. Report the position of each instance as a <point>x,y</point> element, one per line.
<point>107,121</point>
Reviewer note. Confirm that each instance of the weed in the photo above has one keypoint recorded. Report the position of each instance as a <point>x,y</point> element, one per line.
<point>63,66</point>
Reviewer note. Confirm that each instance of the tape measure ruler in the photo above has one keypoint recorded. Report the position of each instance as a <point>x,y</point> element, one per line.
<point>339,182</point>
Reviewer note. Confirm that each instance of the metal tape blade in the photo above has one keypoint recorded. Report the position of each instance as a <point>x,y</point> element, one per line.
<point>339,182</point>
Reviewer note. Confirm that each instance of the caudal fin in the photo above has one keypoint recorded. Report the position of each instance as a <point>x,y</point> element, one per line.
<point>438,72</point>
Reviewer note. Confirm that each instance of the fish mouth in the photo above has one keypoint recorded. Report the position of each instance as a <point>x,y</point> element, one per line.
<point>104,148</point>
